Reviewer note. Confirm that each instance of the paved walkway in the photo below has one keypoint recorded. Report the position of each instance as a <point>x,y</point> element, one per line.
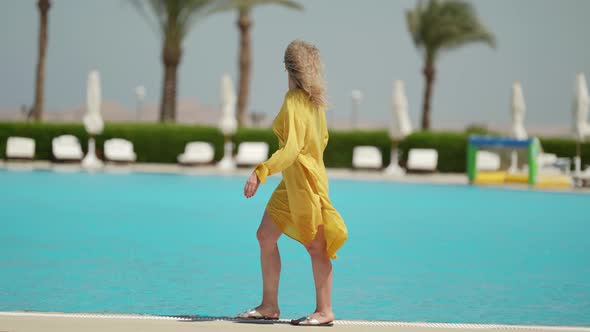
<point>54,322</point>
<point>436,178</point>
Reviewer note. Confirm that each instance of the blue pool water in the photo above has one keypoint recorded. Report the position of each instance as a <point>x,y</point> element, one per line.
<point>175,244</point>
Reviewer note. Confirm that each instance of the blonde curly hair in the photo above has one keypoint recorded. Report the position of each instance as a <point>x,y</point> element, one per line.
<point>303,63</point>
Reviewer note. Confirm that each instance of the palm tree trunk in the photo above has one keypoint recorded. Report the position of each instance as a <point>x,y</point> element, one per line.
<point>245,62</point>
<point>429,74</point>
<point>37,112</point>
<point>168,107</point>
<point>171,59</point>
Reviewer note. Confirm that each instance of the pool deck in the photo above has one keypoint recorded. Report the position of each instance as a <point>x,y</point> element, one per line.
<point>361,175</point>
<point>19,321</point>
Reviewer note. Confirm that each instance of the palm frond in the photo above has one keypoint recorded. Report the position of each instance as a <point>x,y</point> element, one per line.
<point>285,3</point>
<point>413,21</point>
<point>173,18</point>
<point>150,10</point>
<point>246,5</point>
<point>446,24</point>
<point>476,36</point>
<point>193,11</point>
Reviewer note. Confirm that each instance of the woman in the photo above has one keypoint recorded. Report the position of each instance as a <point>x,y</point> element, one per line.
<point>299,207</point>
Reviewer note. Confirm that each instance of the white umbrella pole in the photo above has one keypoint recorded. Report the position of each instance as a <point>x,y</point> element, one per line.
<point>518,109</point>
<point>578,160</point>
<point>91,161</point>
<point>394,168</point>
<point>92,120</point>
<point>513,162</point>
<point>227,163</point>
<point>228,123</point>
<point>400,128</point>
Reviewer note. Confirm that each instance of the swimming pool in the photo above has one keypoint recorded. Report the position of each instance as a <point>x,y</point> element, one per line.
<point>177,244</point>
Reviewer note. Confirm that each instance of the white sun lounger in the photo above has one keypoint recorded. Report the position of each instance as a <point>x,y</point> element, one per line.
<point>197,153</point>
<point>546,159</point>
<point>422,160</point>
<point>20,148</point>
<point>66,147</point>
<point>119,150</point>
<point>366,157</point>
<point>550,163</point>
<point>487,161</point>
<point>251,153</point>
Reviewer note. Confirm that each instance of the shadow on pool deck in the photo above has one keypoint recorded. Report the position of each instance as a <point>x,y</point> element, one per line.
<point>198,318</point>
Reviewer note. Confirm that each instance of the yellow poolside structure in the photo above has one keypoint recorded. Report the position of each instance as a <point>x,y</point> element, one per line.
<point>544,181</point>
<point>532,178</point>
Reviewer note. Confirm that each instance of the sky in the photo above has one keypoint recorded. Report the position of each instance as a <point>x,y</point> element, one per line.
<point>364,45</point>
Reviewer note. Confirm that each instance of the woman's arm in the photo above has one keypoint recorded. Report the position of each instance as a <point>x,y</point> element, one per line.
<point>285,156</point>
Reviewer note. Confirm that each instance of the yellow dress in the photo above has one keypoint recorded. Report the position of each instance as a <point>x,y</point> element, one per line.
<point>300,203</point>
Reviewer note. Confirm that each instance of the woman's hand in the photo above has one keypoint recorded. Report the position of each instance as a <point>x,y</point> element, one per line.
<point>251,185</point>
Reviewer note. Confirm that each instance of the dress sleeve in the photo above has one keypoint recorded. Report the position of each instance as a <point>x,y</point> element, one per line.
<point>285,156</point>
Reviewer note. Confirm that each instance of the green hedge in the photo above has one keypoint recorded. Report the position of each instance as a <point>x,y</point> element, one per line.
<point>162,143</point>
<point>338,153</point>
<point>566,148</point>
<point>41,133</point>
<point>153,143</point>
<point>452,148</point>
<point>257,135</point>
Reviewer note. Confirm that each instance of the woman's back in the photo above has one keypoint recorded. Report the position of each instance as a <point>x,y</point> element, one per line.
<point>309,124</point>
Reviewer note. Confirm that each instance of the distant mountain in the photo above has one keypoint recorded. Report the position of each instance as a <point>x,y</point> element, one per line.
<point>189,111</point>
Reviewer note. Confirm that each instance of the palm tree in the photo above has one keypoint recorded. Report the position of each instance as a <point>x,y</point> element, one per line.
<point>37,111</point>
<point>174,19</point>
<point>443,25</point>
<point>244,23</point>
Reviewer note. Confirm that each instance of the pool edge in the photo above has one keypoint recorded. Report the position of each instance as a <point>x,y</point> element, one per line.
<point>365,323</point>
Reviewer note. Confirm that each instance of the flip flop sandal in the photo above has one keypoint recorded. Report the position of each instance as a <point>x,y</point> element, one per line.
<point>254,314</point>
<point>308,321</point>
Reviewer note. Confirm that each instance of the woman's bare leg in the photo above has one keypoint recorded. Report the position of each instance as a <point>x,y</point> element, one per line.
<point>268,234</point>
<point>322,274</point>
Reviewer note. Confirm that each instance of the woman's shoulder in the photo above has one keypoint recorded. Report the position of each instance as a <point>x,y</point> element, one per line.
<point>297,97</point>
